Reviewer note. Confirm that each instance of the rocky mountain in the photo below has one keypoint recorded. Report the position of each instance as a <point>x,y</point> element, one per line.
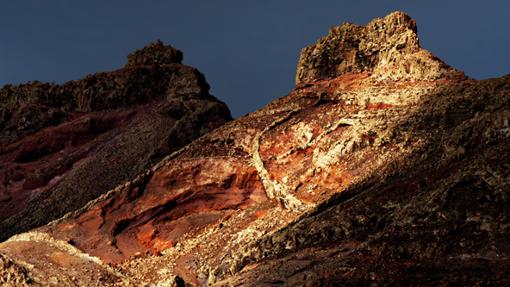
<point>384,166</point>
<point>64,145</point>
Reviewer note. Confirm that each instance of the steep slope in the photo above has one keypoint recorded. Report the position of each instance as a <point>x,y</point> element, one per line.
<point>62,146</point>
<point>383,166</point>
<point>435,215</point>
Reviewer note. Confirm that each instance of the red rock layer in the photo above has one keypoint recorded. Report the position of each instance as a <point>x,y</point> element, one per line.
<point>358,178</point>
<point>153,214</point>
<point>63,146</point>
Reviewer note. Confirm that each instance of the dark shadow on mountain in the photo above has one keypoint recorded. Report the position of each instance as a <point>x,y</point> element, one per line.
<point>440,216</point>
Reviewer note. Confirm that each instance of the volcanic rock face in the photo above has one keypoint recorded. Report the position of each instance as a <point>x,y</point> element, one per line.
<point>388,48</point>
<point>386,168</point>
<point>62,146</point>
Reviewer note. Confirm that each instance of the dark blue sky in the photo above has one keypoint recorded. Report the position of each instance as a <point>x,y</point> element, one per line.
<point>247,49</point>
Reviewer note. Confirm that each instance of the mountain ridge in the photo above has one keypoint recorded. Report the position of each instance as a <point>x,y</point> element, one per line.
<point>368,176</point>
<point>63,145</point>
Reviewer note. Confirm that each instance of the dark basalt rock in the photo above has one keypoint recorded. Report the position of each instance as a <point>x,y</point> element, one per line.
<point>154,54</point>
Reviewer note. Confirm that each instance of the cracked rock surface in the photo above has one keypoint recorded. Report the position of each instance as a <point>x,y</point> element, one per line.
<point>384,167</point>
<point>386,47</point>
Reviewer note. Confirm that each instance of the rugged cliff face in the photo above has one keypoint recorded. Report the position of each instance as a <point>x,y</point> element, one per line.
<point>62,146</point>
<point>386,48</point>
<point>383,165</point>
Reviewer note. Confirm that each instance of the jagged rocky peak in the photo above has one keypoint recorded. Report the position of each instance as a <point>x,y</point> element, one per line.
<point>64,145</point>
<point>388,48</point>
<point>155,53</point>
<point>349,181</point>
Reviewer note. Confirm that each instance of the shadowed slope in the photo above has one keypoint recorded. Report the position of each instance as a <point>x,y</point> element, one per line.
<point>62,146</point>
<point>353,178</point>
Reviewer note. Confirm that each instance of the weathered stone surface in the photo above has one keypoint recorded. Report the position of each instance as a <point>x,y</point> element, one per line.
<point>388,48</point>
<point>435,213</point>
<point>154,54</point>
<point>157,210</point>
<point>354,179</point>
<point>62,146</point>
<point>12,274</point>
<point>42,254</point>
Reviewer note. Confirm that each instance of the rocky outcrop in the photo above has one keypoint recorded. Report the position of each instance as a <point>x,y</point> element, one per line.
<point>154,54</point>
<point>357,178</point>
<point>62,146</point>
<point>434,212</point>
<point>387,48</point>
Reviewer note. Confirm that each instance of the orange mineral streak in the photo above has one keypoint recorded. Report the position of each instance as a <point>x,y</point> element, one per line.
<point>383,166</point>
<point>177,200</point>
